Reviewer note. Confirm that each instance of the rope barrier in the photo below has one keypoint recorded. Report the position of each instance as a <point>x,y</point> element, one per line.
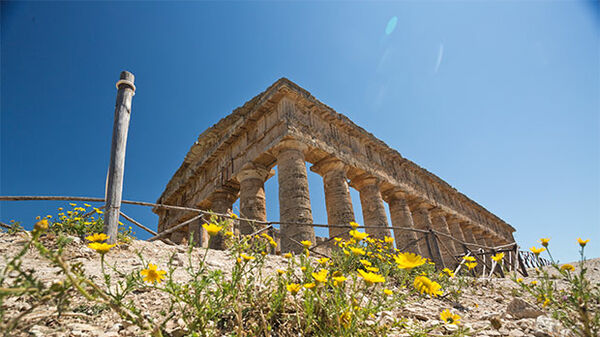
<point>254,221</point>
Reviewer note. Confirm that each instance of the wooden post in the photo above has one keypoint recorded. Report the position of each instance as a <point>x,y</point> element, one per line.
<point>114,188</point>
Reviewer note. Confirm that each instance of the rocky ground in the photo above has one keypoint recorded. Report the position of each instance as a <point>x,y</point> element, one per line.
<point>489,308</point>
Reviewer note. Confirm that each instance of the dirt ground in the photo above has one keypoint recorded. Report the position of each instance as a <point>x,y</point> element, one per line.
<point>484,307</point>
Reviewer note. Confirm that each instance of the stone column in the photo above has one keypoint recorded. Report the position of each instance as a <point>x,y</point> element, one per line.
<point>337,194</point>
<point>456,232</point>
<point>294,198</point>
<point>468,233</point>
<point>221,201</point>
<point>420,215</point>
<point>439,224</point>
<point>252,196</point>
<point>402,217</point>
<point>372,205</point>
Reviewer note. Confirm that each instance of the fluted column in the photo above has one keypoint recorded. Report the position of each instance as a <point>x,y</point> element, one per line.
<point>294,198</point>
<point>456,232</point>
<point>252,196</point>
<point>221,201</point>
<point>402,217</point>
<point>420,215</point>
<point>337,194</point>
<point>372,206</point>
<point>438,221</point>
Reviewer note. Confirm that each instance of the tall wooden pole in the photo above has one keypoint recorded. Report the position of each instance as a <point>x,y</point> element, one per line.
<point>114,188</point>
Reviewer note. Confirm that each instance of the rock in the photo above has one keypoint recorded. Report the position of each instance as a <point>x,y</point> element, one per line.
<point>496,322</point>
<point>519,308</point>
<point>546,326</point>
<point>516,333</point>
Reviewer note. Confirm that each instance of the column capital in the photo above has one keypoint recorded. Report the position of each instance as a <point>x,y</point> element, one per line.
<point>328,164</point>
<point>361,181</point>
<point>394,193</point>
<point>453,219</point>
<point>289,144</point>
<point>225,193</point>
<point>436,212</point>
<point>419,205</point>
<point>252,170</point>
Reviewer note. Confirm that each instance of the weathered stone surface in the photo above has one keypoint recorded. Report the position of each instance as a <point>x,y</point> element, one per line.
<point>221,202</point>
<point>420,215</point>
<point>252,196</point>
<point>254,132</point>
<point>337,194</point>
<point>402,217</point>
<point>372,206</point>
<point>519,308</point>
<point>438,222</point>
<point>294,197</point>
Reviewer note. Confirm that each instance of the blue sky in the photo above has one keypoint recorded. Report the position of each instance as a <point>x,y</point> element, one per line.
<point>500,99</point>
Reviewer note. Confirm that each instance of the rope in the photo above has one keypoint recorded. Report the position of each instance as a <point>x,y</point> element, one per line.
<point>267,223</point>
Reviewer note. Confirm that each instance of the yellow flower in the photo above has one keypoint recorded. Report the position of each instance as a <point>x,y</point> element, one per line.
<point>337,239</point>
<point>321,276</point>
<point>537,251</point>
<point>60,208</point>
<point>87,205</point>
<point>338,279</point>
<point>354,225</point>
<point>425,285</point>
<point>309,285</point>
<point>567,267</point>
<point>49,216</point>
<point>365,263</point>
<point>303,268</point>
<point>41,225</point>
<point>97,237</point>
<point>582,243</point>
<point>287,255</point>
<point>229,234</point>
<point>280,271</point>
<point>37,217</point>
<point>306,243</point>
<point>99,211</point>
<point>448,272</point>
<point>534,282</point>
<point>101,248</point>
<point>519,280</point>
<point>233,216</point>
<point>72,204</point>
<point>544,241</point>
<point>498,257</point>
<point>151,275</point>
<point>388,292</point>
<point>373,269</point>
<point>357,251</point>
<point>408,260</point>
<point>323,261</point>
<point>388,239</point>
<point>247,257</point>
<point>358,236</point>
<point>370,277</point>
<point>212,229</point>
<point>471,265</point>
<point>469,258</point>
<point>449,318</point>
<point>345,319</point>
<point>293,288</point>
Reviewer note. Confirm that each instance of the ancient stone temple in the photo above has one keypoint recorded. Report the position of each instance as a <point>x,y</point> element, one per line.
<point>285,126</point>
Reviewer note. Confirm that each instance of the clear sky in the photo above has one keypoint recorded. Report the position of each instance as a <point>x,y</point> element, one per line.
<point>500,99</point>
